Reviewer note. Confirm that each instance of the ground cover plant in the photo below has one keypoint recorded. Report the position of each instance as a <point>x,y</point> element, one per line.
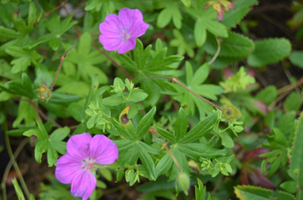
<point>170,99</point>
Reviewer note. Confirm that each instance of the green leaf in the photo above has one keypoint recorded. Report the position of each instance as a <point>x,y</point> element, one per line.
<point>156,186</point>
<point>186,3</point>
<point>18,190</point>
<point>26,113</point>
<point>106,173</point>
<point>233,17</point>
<point>181,125</point>
<point>48,144</point>
<point>136,95</point>
<point>202,128</point>
<point>124,145</point>
<point>5,71</point>
<point>293,102</point>
<point>269,51</point>
<point>23,59</point>
<point>8,33</point>
<point>86,60</point>
<point>148,163</point>
<point>226,140</point>
<point>141,55</point>
<point>289,186</point>
<point>164,165</point>
<point>235,45</point>
<point>56,138</point>
<point>147,148</point>
<point>129,134</point>
<point>167,135</point>
<point>182,45</point>
<point>23,88</point>
<point>127,62</point>
<point>114,100</point>
<point>106,6</point>
<point>145,123</point>
<point>57,109</point>
<point>71,86</point>
<point>205,90</point>
<point>237,82</point>
<point>32,15</point>
<point>63,98</point>
<point>200,33</point>
<point>296,58</point>
<point>183,164</point>
<point>196,150</point>
<point>200,75</point>
<point>296,160</point>
<point>215,27</point>
<point>57,28</point>
<point>252,192</point>
<point>267,95</point>
<point>200,191</point>
<point>170,12</point>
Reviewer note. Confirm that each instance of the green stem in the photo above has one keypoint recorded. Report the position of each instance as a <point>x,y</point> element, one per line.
<point>11,155</point>
<point>59,68</point>
<point>211,139</point>
<point>217,53</point>
<point>152,130</point>
<point>9,165</point>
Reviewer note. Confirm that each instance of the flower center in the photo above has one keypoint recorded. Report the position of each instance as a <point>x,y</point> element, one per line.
<point>124,33</point>
<point>88,164</point>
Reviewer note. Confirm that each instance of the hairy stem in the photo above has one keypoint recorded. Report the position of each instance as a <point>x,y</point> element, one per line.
<point>114,62</point>
<point>49,12</point>
<point>152,130</point>
<point>174,80</point>
<point>173,157</point>
<point>217,53</point>
<point>207,101</point>
<point>285,91</point>
<point>60,65</point>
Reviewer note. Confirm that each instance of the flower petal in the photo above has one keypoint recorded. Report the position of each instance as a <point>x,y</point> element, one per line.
<point>111,25</point>
<point>110,44</point>
<point>132,20</point>
<point>127,45</point>
<point>127,17</point>
<point>78,146</point>
<point>83,184</point>
<point>67,168</point>
<point>103,150</point>
<point>138,29</point>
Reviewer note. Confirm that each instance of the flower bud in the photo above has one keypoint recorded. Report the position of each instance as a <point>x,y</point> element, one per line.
<point>229,112</point>
<point>44,93</point>
<point>183,182</point>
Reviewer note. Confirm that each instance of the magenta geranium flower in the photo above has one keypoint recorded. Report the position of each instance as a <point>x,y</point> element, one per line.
<point>120,32</point>
<point>77,165</point>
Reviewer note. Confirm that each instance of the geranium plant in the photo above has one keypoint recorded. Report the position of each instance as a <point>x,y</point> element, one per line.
<point>165,98</point>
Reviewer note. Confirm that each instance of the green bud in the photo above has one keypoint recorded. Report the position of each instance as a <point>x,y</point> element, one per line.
<point>229,112</point>
<point>44,93</point>
<point>183,182</point>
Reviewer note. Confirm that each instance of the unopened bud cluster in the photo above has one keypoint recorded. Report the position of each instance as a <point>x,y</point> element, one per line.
<point>183,182</point>
<point>44,93</point>
<point>230,112</point>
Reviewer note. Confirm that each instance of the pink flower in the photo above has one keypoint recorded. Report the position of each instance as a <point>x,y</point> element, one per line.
<point>120,32</point>
<point>218,7</point>
<point>77,165</point>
